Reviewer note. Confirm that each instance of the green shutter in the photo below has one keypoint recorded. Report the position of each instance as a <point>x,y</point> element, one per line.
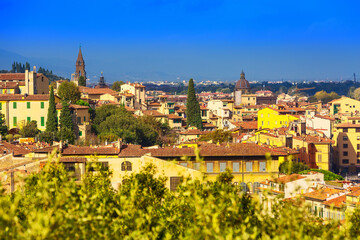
<point>42,121</point>
<point>42,105</point>
<point>14,121</point>
<point>28,105</point>
<point>80,133</point>
<point>28,119</point>
<point>14,105</point>
<point>0,106</point>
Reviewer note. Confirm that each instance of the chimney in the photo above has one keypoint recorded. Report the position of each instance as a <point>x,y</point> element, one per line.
<point>61,145</point>
<point>119,144</point>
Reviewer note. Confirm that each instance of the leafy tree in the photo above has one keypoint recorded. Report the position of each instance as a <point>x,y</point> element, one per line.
<point>52,118</point>
<point>217,136</point>
<point>193,108</point>
<point>66,124</point>
<point>68,91</point>
<point>29,129</point>
<point>82,81</point>
<point>290,167</point>
<point>324,96</point>
<point>3,127</point>
<point>116,86</point>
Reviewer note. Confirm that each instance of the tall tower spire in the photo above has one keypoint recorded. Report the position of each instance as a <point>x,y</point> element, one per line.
<point>80,66</point>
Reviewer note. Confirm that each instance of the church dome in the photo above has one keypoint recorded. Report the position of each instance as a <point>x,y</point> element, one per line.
<point>242,83</point>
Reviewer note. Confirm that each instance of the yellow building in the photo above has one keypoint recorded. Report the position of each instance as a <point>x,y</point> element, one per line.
<point>21,108</point>
<point>344,105</point>
<point>347,147</point>
<point>275,118</point>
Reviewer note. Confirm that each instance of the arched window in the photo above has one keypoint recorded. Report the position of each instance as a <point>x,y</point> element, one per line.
<point>126,166</point>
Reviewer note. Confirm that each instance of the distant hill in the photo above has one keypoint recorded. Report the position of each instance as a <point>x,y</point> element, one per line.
<point>18,67</point>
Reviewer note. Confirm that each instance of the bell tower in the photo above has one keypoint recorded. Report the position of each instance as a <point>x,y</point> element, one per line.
<point>80,66</point>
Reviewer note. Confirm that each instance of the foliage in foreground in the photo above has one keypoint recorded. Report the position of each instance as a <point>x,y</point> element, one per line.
<point>52,206</point>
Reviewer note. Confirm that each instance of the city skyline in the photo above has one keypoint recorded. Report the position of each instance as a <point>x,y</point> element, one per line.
<point>167,40</point>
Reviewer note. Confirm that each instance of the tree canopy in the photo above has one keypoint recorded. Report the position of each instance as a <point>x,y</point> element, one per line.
<point>29,129</point>
<point>52,118</point>
<point>66,124</point>
<point>112,122</point>
<point>82,81</point>
<point>68,91</point>
<point>324,97</point>
<point>116,86</point>
<point>217,136</point>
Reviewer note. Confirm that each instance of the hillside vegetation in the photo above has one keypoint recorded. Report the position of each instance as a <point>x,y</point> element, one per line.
<point>52,206</point>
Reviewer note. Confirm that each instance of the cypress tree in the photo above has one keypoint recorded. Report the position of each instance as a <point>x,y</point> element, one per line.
<point>193,108</point>
<point>66,124</point>
<point>52,119</point>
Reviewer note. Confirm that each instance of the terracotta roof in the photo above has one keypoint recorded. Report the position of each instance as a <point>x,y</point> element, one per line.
<point>208,125</point>
<point>11,85</point>
<point>137,85</point>
<point>153,113</point>
<point>97,91</point>
<point>314,139</point>
<point>355,193</point>
<point>72,106</point>
<point>73,159</point>
<point>129,109</point>
<point>337,202</point>
<point>154,104</point>
<point>16,76</point>
<point>354,118</point>
<point>347,125</point>
<point>19,97</point>
<point>233,149</point>
<point>17,150</point>
<point>249,125</point>
<point>77,150</point>
<point>173,116</point>
<point>322,194</point>
<point>288,178</point>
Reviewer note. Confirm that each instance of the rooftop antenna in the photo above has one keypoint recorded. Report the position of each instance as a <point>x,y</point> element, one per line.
<point>354,78</point>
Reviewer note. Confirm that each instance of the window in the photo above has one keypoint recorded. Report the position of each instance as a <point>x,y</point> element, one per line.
<point>126,166</point>
<point>262,115</point>
<point>345,145</point>
<point>184,164</point>
<point>358,138</point>
<point>345,161</point>
<point>345,130</point>
<point>358,154</point>
<point>79,120</point>
<point>357,129</point>
<point>358,146</point>
<point>268,122</point>
<point>209,167</point>
<point>70,167</point>
<point>249,166</point>
<point>275,122</point>
<point>196,166</point>
<point>236,167</point>
<point>84,119</point>
<point>14,105</point>
<point>319,158</point>
<point>28,119</point>
<point>14,121</point>
<point>42,121</point>
<point>42,105</point>
<point>262,166</point>
<point>28,105</point>
<point>345,154</point>
<point>262,123</point>
<point>174,183</point>
<point>222,166</point>
<point>80,133</point>
<point>358,161</point>
<point>345,138</point>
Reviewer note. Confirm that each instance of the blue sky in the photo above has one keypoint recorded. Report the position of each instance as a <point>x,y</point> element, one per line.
<point>204,39</point>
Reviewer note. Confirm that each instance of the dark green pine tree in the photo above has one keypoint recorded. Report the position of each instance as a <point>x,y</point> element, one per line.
<point>52,119</point>
<point>82,81</point>
<point>192,107</point>
<point>66,124</point>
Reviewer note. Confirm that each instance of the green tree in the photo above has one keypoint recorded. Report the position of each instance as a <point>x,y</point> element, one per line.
<point>29,129</point>
<point>290,167</point>
<point>82,81</point>
<point>3,127</point>
<point>91,110</point>
<point>66,124</point>
<point>116,86</point>
<point>68,91</point>
<point>193,108</point>
<point>52,118</point>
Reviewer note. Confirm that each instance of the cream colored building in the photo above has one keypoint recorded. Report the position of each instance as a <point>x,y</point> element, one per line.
<point>138,91</point>
<point>344,105</point>
<point>19,109</point>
